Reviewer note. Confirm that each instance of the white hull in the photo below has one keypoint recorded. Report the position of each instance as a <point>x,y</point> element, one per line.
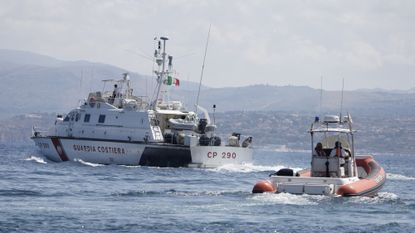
<point>215,156</point>
<point>146,154</point>
<point>369,180</point>
<point>310,185</point>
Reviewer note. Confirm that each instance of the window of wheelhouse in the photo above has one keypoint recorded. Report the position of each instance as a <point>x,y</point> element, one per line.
<point>101,119</point>
<point>87,117</point>
<point>66,118</point>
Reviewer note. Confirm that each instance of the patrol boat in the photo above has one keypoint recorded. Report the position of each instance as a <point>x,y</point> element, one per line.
<point>335,170</point>
<point>117,127</point>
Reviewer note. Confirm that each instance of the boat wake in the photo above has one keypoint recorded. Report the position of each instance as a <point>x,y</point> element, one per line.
<point>382,197</point>
<point>286,149</point>
<point>249,167</point>
<point>88,163</point>
<point>204,193</point>
<point>130,166</point>
<point>173,192</point>
<point>36,159</point>
<point>392,176</point>
<point>293,199</point>
<point>288,199</point>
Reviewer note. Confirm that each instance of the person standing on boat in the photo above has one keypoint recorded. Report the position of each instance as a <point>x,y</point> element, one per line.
<point>339,152</point>
<point>116,92</point>
<point>319,150</point>
<point>116,95</point>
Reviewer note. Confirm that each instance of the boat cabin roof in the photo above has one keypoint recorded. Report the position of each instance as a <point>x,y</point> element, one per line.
<point>331,129</point>
<point>332,123</point>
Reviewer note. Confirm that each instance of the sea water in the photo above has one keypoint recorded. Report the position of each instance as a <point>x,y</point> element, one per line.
<point>37,195</point>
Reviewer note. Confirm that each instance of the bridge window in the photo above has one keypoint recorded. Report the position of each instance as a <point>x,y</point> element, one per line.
<point>87,117</point>
<point>101,119</point>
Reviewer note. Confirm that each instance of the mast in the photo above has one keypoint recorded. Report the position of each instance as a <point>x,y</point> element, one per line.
<point>126,79</point>
<point>161,74</point>
<point>203,68</point>
<point>350,122</point>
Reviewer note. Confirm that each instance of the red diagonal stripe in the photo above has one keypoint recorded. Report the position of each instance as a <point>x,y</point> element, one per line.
<point>59,148</point>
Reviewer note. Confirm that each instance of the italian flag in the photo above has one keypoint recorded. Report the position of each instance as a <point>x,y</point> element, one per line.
<point>172,81</point>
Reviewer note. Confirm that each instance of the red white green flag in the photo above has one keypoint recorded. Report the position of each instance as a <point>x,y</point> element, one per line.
<point>172,81</point>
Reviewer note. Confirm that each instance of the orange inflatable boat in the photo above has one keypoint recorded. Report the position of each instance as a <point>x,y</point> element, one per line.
<point>335,170</point>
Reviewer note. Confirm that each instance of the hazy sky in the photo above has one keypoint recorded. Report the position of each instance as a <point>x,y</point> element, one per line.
<point>371,44</point>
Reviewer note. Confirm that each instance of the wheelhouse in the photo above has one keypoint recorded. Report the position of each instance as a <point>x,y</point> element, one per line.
<point>332,146</point>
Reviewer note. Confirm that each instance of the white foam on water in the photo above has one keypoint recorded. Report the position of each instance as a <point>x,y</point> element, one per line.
<point>245,168</point>
<point>36,159</point>
<point>248,167</point>
<point>287,199</point>
<point>130,166</point>
<point>195,194</point>
<point>388,196</point>
<point>381,197</point>
<point>88,163</point>
<point>285,148</point>
<point>392,176</point>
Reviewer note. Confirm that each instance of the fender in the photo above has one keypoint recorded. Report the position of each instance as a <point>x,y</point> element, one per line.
<point>368,186</point>
<point>264,186</point>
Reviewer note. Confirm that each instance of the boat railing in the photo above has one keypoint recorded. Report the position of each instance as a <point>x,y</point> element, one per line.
<point>39,132</point>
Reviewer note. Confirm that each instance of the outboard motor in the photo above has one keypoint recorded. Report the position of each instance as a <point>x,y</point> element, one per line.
<point>202,125</point>
<point>215,140</point>
<point>170,138</point>
<point>238,135</point>
<point>233,141</point>
<point>247,142</point>
<point>204,140</point>
<point>284,172</point>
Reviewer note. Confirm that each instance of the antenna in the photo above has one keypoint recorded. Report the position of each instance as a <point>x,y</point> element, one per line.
<point>203,67</point>
<point>91,78</point>
<point>321,94</point>
<point>214,110</point>
<point>80,83</point>
<point>140,54</point>
<point>146,86</point>
<point>153,69</point>
<point>341,101</point>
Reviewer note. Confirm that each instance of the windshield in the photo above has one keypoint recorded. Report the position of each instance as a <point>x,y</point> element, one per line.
<point>328,140</point>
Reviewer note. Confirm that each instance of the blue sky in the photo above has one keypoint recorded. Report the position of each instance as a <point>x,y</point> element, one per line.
<point>371,44</point>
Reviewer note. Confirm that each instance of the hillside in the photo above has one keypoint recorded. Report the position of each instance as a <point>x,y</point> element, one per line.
<point>304,99</point>
<point>33,82</point>
<point>37,83</point>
